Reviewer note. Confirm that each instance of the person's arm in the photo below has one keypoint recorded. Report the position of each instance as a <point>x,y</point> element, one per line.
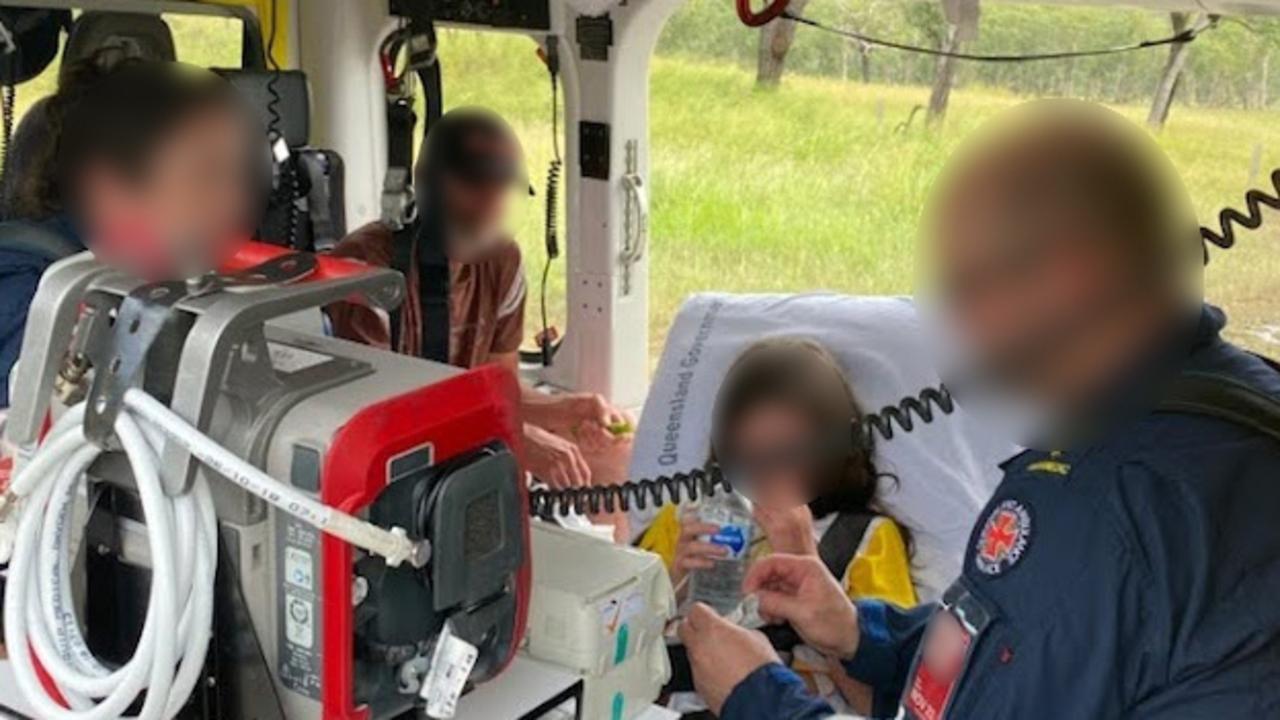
<point>738,674</point>
<point>881,570</point>
<point>874,641</point>
<point>889,637</point>
<point>355,321</point>
<point>773,691</point>
<point>16,293</point>
<point>1200,590</point>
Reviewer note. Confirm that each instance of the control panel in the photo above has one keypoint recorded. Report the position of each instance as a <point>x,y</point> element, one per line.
<point>514,14</point>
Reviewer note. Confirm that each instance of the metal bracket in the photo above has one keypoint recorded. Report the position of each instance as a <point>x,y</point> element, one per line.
<point>143,315</point>
<point>118,367</point>
<point>399,207</point>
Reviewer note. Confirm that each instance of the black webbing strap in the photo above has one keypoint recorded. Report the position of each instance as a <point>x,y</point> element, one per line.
<point>413,244</point>
<point>1225,398</point>
<point>401,121</point>
<point>433,289</point>
<point>840,542</point>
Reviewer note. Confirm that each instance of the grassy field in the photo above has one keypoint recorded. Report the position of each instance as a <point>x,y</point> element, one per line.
<point>813,186</point>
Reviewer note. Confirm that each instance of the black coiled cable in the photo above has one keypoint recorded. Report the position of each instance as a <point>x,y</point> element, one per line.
<point>659,491</point>
<point>1254,200</point>
<point>287,179</point>
<point>921,405</point>
<point>7,108</point>
<point>545,343</point>
<point>545,502</point>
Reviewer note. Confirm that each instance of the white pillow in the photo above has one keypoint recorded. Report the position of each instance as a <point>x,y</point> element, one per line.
<point>945,470</point>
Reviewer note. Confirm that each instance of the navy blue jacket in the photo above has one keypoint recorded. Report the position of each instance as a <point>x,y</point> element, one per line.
<point>1145,584</point>
<point>20,273</point>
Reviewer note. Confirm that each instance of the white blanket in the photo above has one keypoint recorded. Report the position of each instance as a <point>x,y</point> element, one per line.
<point>946,470</point>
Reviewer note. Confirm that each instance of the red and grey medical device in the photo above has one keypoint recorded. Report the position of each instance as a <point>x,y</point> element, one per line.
<point>305,625</point>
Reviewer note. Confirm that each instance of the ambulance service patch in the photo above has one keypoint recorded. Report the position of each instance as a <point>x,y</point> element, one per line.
<point>1004,538</point>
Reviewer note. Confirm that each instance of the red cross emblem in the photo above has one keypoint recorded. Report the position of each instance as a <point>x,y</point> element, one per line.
<point>1004,537</point>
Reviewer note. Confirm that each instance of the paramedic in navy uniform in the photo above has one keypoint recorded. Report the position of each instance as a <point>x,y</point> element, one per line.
<point>1134,571</point>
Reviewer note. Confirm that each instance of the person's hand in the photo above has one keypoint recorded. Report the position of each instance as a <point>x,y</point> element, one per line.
<point>790,531</point>
<point>800,590</point>
<point>693,553</point>
<point>588,418</point>
<point>554,460</point>
<point>721,654</point>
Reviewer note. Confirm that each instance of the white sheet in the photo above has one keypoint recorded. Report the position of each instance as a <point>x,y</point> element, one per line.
<point>945,470</point>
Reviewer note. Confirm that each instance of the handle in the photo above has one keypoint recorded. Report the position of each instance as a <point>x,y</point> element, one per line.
<point>750,18</point>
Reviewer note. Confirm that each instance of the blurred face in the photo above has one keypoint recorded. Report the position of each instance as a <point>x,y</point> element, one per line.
<point>477,214</point>
<point>773,452</point>
<point>1041,292</point>
<point>188,207</point>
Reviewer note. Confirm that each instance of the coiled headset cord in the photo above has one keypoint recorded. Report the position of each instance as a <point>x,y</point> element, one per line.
<point>287,179</point>
<point>927,406</point>
<point>1254,200</point>
<point>7,102</point>
<point>546,345</point>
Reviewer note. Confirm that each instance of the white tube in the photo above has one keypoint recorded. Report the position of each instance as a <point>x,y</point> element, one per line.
<point>393,545</point>
<point>182,537</point>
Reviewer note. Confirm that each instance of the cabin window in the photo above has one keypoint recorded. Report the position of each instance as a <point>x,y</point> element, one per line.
<point>504,73</point>
<point>207,40</point>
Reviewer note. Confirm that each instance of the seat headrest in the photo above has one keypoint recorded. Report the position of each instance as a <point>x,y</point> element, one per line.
<point>30,138</point>
<point>294,99</point>
<point>29,42</point>
<point>112,36</point>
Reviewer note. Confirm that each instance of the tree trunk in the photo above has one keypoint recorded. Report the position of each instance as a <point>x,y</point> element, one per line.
<point>1264,80</point>
<point>864,58</point>
<point>775,43</point>
<point>1168,85</point>
<point>943,77</point>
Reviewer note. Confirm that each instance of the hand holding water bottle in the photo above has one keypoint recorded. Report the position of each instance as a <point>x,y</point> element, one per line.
<point>693,550</point>
<point>718,583</point>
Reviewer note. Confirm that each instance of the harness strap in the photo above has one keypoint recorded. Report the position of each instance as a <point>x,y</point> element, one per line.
<point>411,245</point>
<point>840,542</point>
<point>433,288</point>
<point>1226,398</point>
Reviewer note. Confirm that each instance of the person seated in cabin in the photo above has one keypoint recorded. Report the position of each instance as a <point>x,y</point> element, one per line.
<point>149,163</point>
<point>783,431</point>
<point>466,286</point>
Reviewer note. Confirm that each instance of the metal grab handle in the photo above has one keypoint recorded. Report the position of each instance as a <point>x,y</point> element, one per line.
<point>635,218</point>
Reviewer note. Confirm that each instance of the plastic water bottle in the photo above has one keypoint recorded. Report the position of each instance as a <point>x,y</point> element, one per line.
<point>720,586</point>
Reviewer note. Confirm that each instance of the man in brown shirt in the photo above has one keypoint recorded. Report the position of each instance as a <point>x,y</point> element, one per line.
<point>459,262</point>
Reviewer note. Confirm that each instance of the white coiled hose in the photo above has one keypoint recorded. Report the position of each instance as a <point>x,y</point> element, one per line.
<point>39,611</point>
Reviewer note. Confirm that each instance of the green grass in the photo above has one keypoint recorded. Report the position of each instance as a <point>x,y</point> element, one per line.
<point>812,187</point>
<point>809,186</point>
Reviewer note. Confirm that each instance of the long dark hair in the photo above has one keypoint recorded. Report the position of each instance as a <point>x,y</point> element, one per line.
<point>805,375</point>
<point>113,113</point>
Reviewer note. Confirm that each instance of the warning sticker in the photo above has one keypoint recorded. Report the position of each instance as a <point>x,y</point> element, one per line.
<point>291,359</point>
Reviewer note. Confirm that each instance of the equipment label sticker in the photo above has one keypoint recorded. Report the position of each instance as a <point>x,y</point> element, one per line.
<point>291,359</point>
<point>299,607</point>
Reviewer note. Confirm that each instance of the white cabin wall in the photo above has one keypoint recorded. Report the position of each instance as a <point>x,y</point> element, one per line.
<point>606,343</point>
<point>338,49</point>
<point>606,346</point>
